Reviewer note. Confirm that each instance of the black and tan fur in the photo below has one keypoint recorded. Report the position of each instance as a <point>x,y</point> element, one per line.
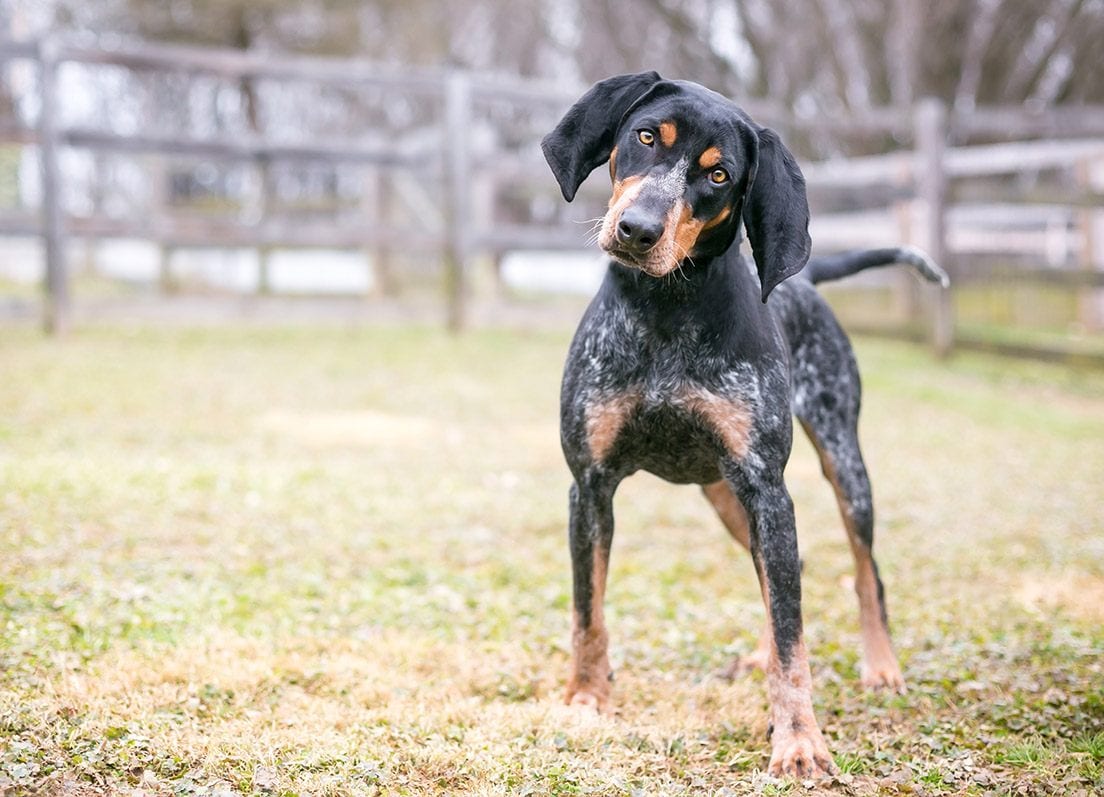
<point>681,367</point>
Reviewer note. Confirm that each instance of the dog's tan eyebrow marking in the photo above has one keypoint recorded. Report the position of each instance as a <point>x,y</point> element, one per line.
<point>613,162</point>
<point>667,134</point>
<point>710,158</point>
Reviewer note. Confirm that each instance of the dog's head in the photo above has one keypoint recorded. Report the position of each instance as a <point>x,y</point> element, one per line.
<point>687,167</point>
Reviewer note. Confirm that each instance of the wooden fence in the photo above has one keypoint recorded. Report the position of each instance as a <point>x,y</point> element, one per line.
<point>948,193</point>
<point>985,211</point>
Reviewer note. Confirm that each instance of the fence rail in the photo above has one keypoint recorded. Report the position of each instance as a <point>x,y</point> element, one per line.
<point>917,196</point>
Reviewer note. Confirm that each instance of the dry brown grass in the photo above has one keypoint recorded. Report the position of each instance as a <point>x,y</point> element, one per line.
<point>334,562</point>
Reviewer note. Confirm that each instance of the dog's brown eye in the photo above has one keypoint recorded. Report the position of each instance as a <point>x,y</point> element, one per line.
<point>646,137</point>
<point>718,176</point>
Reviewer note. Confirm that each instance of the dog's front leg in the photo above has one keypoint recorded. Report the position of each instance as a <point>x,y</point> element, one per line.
<point>590,533</point>
<point>797,746</point>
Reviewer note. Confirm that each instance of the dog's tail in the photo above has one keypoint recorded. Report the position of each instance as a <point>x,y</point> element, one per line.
<point>834,267</point>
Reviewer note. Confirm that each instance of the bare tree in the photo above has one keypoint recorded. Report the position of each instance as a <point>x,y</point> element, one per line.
<point>810,56</point>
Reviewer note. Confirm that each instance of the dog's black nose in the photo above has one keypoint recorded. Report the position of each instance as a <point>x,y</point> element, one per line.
<point>638,231</point>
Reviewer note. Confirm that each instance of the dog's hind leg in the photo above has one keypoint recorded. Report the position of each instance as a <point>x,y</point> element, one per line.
<point>834,434</point>
<point>734,517</point>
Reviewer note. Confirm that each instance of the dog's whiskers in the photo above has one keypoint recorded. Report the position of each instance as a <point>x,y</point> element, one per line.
<point>684,256</point>
<point>595,231</point>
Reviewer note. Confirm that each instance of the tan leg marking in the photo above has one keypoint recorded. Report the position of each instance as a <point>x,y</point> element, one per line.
<point>710,158</point>
<point>797,745</point>
<point>735,520</point>
<point>731,512</point>
<point>667,134</point>
<point>756,660</point>
<point>604,421</point>
<point>879,667</point>
<point>589,685</point>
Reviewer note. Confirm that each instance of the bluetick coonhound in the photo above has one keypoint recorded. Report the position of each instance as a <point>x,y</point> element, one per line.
<point>681,367</point>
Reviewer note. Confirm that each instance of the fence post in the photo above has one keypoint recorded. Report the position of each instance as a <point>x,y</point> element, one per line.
<point>907,289</point>
<point>483,192</point>
<point>56,302</point>
<point>931,143</point>
<point>1090,301</point>
<point>265,213</point>
<point>376,208</point>
<point>457,190</point>
<point>157,169</point>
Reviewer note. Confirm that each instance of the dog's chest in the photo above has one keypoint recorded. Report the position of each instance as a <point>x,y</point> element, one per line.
<point>674,412</point>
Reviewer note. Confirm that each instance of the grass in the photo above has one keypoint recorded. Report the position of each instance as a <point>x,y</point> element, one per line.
<point>333,561</point>
<point>1046,318</point>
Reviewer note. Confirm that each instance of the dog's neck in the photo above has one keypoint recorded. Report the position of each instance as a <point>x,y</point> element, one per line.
<point>719,291</point>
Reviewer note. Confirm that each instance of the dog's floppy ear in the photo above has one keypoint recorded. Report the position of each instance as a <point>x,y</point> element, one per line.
<point>583,139</point>
<point>776,213</point>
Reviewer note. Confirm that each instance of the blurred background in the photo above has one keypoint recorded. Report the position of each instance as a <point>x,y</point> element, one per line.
<point>211,158</point>
<point>268,527</point>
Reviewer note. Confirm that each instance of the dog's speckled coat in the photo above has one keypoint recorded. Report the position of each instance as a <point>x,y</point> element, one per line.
<point>681,367</point>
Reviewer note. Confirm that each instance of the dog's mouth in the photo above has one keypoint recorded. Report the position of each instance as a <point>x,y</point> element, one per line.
<point>645,264</point>
<point>625,257</point>
<point>657,261</point>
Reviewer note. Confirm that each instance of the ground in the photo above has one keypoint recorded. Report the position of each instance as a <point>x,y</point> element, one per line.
<point>333,561</point>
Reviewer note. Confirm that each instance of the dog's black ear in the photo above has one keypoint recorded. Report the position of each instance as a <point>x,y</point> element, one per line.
<point>583,139</point>
<point>776,213</point>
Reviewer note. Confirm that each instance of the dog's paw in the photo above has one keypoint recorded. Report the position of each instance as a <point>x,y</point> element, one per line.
<point>801,755</point>
<point>883,675</point>
<point>588,698</point>
<point>742,666</point>
<point>588,701</point>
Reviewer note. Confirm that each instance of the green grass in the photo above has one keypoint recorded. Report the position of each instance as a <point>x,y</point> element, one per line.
<point>1040,317</point>
<point>333,561</point>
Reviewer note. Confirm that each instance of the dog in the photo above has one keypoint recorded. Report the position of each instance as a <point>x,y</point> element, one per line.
<point>682,367</point>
